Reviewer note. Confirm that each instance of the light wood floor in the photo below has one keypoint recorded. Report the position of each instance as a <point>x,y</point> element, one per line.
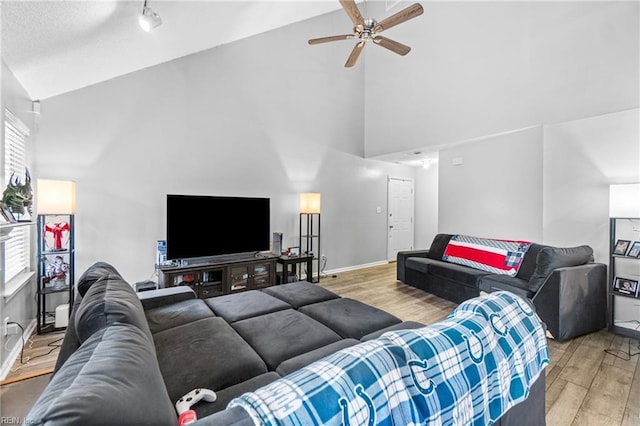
<point>39,357</point>
<point>585,385</point>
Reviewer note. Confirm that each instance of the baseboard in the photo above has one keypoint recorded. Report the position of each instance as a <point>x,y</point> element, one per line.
<point>15,351</point>
<point>355,267</point>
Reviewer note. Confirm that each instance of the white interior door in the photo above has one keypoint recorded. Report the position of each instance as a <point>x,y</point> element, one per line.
<point>400,220</point>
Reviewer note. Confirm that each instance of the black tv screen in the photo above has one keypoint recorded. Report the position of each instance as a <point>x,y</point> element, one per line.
<point>202,226</point>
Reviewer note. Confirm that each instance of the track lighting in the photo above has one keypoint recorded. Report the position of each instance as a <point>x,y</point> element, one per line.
<point>149,18</point>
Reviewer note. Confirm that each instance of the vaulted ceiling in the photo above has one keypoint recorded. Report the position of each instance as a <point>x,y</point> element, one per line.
<point>54,47</point>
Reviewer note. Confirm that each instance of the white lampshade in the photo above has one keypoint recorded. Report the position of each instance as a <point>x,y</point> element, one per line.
<point>56,196</point>
<point>624,200</point>
<point>310,202</point>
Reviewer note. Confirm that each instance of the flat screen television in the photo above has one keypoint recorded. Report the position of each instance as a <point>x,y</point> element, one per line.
<point>207,226</point>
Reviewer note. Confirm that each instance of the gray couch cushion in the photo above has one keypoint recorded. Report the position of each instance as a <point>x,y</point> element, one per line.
<point>495,282</point>
<point>458,273</point>
<point>405,325</point>
<point>206,353</point>
<point>175,314</point>
<point>438,246</point>
<point>297,362</point>
<point>529,262</point>
<point>300,293</point>
<point>419,263</point>
<point>112,378</point>
<point>224,396</point>
<point>93,274</point>
<point>550,258</point>
<point>284,334</point>
<point>239,306</point>
<point>349,318</point>
<point>109,300</point>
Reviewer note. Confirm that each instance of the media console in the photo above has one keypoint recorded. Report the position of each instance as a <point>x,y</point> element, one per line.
<point>228,276</point>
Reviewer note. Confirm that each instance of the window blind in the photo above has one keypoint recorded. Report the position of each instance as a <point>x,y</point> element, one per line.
<point>17,248</point>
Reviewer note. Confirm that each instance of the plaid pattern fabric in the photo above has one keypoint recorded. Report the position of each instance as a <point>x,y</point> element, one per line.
<point>469,369</point>
<point>496,256</point>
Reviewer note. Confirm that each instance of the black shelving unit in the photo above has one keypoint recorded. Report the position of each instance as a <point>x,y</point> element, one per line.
<point>624,304</point>
<point>310,240</point>
<point>56,252</point>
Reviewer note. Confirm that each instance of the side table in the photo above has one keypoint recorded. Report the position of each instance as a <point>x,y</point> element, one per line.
<point>293,262</point>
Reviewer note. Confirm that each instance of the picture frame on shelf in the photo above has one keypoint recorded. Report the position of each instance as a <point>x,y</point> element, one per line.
<point>7,216</point>
<point>56,268</point>
<point>56,233</point>
<point>625,286</point>
<point>294,251</point>
<point>621,247</point>
<point>634,251</point>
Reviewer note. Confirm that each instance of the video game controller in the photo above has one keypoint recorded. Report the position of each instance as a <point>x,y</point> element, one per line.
<point>194,396</point>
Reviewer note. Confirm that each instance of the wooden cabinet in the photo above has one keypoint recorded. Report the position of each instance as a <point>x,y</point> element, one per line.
<point>624,277</point>
<point>224,277</point>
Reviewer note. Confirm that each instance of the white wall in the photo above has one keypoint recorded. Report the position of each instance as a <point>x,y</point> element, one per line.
<point>426,206</point>
<point>244,119</point>
<point>20,307</point>
<point>581,159</point>
<point>481,68</point>
<point>497,190</point>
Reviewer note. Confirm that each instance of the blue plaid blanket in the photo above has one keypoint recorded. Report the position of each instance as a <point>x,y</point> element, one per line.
<point>468,369</point>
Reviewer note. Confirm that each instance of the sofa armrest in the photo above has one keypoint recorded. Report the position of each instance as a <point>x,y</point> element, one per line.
<point>402,256</point>
<point>573,300</point>
<point>165,296</point>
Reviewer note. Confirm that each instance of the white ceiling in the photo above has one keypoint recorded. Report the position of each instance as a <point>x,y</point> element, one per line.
<point>53,47</point>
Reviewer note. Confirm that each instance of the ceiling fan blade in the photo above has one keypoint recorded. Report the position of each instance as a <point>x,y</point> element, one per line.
<point>394,46</point>
<point>355,53</point>
<point>352,10</point>
<point>400,17</point>
<point>331,38</point>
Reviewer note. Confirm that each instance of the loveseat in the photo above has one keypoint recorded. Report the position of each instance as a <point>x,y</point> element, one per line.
<point>127,357</point>
<point>567,288</point>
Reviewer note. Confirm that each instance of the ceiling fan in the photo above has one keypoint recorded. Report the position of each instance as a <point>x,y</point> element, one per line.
<point>369,30</point>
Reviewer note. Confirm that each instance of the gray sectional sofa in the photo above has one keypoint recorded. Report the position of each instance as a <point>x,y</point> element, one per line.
<point>127,357</point>
<point>567,288</point>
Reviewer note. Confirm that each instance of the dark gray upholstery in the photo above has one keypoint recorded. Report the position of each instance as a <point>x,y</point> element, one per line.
<point>155,298</point>
<point>124,372</point>
<point>107,302</point>
<point>297,362</point>
<point>94,273</point>
<point>175,314</point>
<point>236,307</point>
<point>300,293</point>
<point>458,273</point>
<point>284,334</point>
<point>349,318</point>
<point>113,378</point>
<point>193,356</point>
<point>405,325</point>
<point>438,246</point>
<point>551,258</point>
<point>560,281</point>
<point>495,282</point>
<point>223,397</point>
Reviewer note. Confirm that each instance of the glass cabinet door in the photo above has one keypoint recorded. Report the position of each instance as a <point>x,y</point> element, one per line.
<point>239,278</point>
<point>262,275</point>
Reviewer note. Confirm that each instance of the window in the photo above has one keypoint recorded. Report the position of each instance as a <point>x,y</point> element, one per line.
<point>16,249</point>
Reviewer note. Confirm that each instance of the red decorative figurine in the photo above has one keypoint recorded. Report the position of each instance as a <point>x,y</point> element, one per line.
<point>57,230</point>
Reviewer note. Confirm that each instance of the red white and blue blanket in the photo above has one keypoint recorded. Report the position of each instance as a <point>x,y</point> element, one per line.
<point>468,369</point>
<point>496,256</point>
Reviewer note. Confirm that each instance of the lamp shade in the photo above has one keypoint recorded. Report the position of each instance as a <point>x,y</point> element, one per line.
<point>56,196</point>
<point>310,202</point>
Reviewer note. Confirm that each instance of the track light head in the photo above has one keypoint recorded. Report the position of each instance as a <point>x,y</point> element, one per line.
<point>149,18</point>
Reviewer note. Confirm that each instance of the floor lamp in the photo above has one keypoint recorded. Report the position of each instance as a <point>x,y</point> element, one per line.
<point>310,227</point>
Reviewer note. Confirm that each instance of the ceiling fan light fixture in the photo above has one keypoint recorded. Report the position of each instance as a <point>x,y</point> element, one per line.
<point>149,19</point>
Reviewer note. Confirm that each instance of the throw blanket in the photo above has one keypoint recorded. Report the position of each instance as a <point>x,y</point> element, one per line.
<point>470,368</point>
<point>496,256</point>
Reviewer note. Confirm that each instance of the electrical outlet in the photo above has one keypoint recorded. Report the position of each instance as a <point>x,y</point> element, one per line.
<point>12,329</point>
<point>5,326</point>
<point>323,257</point>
